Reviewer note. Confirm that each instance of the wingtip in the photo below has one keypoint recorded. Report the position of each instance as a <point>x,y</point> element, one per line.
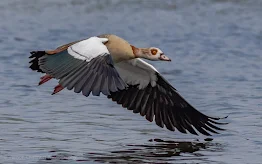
<point>33,53</point>
<point>31,56</point>
<point>36,54</point>
<point>224,117</point>
<point>218,123</point>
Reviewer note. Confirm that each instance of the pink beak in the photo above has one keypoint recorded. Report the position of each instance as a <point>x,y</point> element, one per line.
<point>164,58</point>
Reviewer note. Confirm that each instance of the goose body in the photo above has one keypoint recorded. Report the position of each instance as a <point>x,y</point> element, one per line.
<point>109,65</point>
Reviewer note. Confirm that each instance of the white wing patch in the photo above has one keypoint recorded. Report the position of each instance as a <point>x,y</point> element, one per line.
<point>137,72</point>
<point>88,49</point>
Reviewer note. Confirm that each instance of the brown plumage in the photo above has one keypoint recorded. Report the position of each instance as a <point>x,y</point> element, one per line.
<point>119,48</point>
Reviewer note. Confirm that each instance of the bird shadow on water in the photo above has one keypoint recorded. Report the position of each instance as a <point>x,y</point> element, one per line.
<point>154,151</point>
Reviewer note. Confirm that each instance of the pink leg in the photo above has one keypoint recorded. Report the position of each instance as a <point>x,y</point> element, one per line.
<point>44,79</point>
<point>57,89</point>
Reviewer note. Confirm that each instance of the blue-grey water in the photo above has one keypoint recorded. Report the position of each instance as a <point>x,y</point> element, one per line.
<point>216,51</point>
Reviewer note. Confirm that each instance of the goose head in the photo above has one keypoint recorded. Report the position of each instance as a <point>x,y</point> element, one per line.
<point>156,54</point>
<point>151,53</point>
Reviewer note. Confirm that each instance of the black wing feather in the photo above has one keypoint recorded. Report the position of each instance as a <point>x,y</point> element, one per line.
<point>167,106</point>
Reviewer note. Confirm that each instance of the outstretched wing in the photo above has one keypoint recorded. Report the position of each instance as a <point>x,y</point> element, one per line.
<point>85,66</point>
<point>149,94</point>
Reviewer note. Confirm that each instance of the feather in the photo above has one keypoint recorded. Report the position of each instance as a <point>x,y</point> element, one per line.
<point>88,84</point>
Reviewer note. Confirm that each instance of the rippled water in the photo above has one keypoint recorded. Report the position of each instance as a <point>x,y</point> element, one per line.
<point>216,51</point>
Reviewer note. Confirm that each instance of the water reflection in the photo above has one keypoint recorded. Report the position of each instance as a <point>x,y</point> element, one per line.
<point>154,151</point>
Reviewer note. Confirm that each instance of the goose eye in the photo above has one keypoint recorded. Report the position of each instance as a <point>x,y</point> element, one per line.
<point>153,51</point>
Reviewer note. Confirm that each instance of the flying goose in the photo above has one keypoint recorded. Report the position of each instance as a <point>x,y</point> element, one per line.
<point>110,65</point>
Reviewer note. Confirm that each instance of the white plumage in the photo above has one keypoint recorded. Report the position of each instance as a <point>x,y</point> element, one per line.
<point>88,49</point>
<point>137,72</point>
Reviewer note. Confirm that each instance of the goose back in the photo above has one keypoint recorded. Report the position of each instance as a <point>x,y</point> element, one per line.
<point>119,48</point>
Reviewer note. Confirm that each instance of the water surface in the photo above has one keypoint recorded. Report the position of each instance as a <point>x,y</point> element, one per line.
<point>216,54</point>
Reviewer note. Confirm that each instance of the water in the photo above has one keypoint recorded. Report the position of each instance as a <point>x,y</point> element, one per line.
<point>216,54</point>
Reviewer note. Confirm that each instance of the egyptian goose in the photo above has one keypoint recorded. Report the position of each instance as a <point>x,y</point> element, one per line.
<point>110,65</point>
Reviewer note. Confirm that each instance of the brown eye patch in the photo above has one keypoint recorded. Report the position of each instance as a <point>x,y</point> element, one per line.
<point>153,51</point>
